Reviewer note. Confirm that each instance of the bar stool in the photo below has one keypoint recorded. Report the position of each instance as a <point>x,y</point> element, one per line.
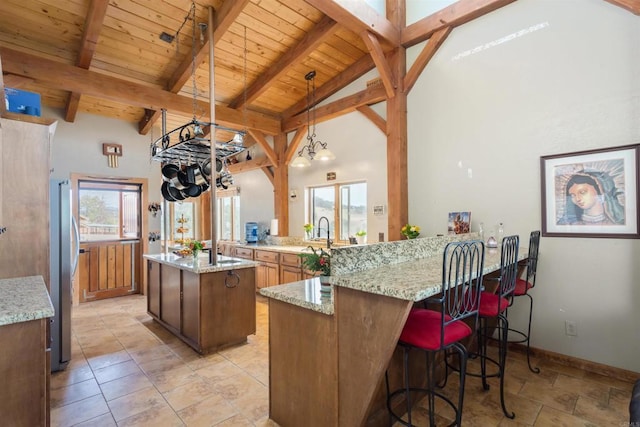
<point>493,306</point>
<point>522,289</point>
<point>442,327</point>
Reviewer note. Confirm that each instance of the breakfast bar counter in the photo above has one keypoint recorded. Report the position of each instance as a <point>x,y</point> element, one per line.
<point>328,354</point>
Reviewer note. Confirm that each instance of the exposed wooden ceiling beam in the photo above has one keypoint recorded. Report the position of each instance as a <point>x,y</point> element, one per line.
<point>355,71</point>
<point>424,57</point>
<point>249,165</point>
<point>386,75</point>
<point>358,16</point>
<point>632,6</point>
<point>92,27</point>
<point>293,145</point>
<point>74,79</point>
<point>375,118</point>
<point>457,14</point>
<point>262,142</point>
<point>269,172</point>
<point>310,42</point>
<point>223,20</point>
<point>371,95</point>
<point>15,81</point>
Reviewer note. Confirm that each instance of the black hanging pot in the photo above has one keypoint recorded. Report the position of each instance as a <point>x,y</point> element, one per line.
<point>199,177</point>
<point>166,193</point>
<point>186,177</point>
<point>175,193</point>
<point>169,171</point>
<point>193,190</point>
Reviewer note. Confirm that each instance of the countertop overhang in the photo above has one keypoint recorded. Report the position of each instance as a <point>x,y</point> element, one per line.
<point>201,264</point>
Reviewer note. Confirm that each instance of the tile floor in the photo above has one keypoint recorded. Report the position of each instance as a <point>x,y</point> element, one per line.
<point>126,370</point>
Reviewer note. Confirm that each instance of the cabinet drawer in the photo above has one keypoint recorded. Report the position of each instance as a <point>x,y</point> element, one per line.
<point>267,256</point>
<point>292,260</point>
<point>245,253</point>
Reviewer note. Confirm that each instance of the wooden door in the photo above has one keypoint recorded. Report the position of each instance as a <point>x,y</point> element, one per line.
<point>24,199</point>
<point>109,269</point>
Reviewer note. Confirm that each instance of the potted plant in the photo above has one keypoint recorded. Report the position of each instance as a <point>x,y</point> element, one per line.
<point>360,237</point>
<point>318,260</point>
<point>410,231</point>
<point>307,229</point>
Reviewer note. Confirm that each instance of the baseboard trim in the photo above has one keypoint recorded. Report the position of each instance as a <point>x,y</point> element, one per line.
<point>576,362</point>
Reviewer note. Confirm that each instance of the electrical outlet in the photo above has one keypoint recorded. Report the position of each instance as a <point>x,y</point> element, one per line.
<point>570,328</point>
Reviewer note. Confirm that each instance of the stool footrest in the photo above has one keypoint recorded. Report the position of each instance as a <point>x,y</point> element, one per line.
<point>440,396</point>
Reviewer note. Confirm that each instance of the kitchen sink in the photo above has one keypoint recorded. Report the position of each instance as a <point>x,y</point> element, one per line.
<point>229,261</point>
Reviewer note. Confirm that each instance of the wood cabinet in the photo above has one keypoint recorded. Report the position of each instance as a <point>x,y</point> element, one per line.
<point>268,272</point>
<point>25,372</point>
<point>24,199</point>
<point>208,311</point>
<point>290,268</point>
<point>244,253</point>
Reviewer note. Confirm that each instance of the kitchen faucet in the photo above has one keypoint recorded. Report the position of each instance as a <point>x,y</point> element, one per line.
<point>328,239</point>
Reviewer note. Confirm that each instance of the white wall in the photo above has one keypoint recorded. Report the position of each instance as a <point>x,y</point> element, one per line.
<point>574,84</point>
<point>361,154</point>
<point>256,199</point>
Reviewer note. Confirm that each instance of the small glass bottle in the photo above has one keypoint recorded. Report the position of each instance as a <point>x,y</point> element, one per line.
<point>481,231</point>
<point>500,233</point>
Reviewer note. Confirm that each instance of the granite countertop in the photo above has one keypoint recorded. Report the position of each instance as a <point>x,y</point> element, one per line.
<point>305,293</point>
<point>201,265</point>
<point>412,280</point>
<point>23,299</point>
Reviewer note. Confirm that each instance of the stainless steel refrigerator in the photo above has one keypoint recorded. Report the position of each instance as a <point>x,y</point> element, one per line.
<point>64,241</point>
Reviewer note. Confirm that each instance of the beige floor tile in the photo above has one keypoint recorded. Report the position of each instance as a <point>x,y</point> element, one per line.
<point>209,412</point>
<point>125,385</point>
<point>555,398</point>
<point>105,420</point>
<point>108,359</point>
<point>134,403</point>
<point>71,376</point>
<point>240,386</point>
<point>550,417</point>
<point>153,417</point>
<point>236,421</point>
<point>150,354</point>
<point>161,364</point>
<point>609,381</point>
<point>219,370</point>
<point>599,413</point>
<point>74,392</point>
<point>583,387</point>
<point>189,394</point>
<point>619,399</point>
<point>172,378</point>
<point>118,370</point>
<point>78,412</point>
<point>254,406</point>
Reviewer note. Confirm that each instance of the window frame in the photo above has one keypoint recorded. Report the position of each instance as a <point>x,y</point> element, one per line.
<point>336,230</point>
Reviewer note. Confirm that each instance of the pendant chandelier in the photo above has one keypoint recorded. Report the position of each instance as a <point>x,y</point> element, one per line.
<point>315,149</point>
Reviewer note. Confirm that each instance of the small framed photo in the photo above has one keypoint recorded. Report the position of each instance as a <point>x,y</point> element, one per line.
<point>459,222</point>
<point>591,193</point>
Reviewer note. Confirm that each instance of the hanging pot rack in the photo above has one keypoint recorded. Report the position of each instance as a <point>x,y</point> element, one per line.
<point>187,143</point>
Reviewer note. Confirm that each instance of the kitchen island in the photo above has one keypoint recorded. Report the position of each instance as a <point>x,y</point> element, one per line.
<point>25,369</point>
<point>328,355</point>
<point>209,307</point>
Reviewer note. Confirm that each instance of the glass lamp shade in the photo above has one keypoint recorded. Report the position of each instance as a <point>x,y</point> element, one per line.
<point>300,162</point>
<point>325,155</point>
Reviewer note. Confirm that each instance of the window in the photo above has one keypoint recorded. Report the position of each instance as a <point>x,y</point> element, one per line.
<point>343,222</point>
<point>228,214</point>
<point>108,211</point>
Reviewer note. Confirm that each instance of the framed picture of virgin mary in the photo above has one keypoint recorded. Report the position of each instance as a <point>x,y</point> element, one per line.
<point>591,193</point>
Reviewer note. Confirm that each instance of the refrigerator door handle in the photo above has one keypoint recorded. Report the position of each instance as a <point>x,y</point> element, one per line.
<point>76,234</point>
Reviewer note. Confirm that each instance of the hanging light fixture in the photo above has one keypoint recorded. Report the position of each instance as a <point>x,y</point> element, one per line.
<point>315,149</point>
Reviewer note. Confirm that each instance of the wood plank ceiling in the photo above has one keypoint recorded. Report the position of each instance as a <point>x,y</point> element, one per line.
<point>106,57</point>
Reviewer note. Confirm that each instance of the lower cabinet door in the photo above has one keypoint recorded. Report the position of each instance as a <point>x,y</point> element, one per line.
<point>153,289</point>
<point>290,274</point>
<point>171,298</point>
